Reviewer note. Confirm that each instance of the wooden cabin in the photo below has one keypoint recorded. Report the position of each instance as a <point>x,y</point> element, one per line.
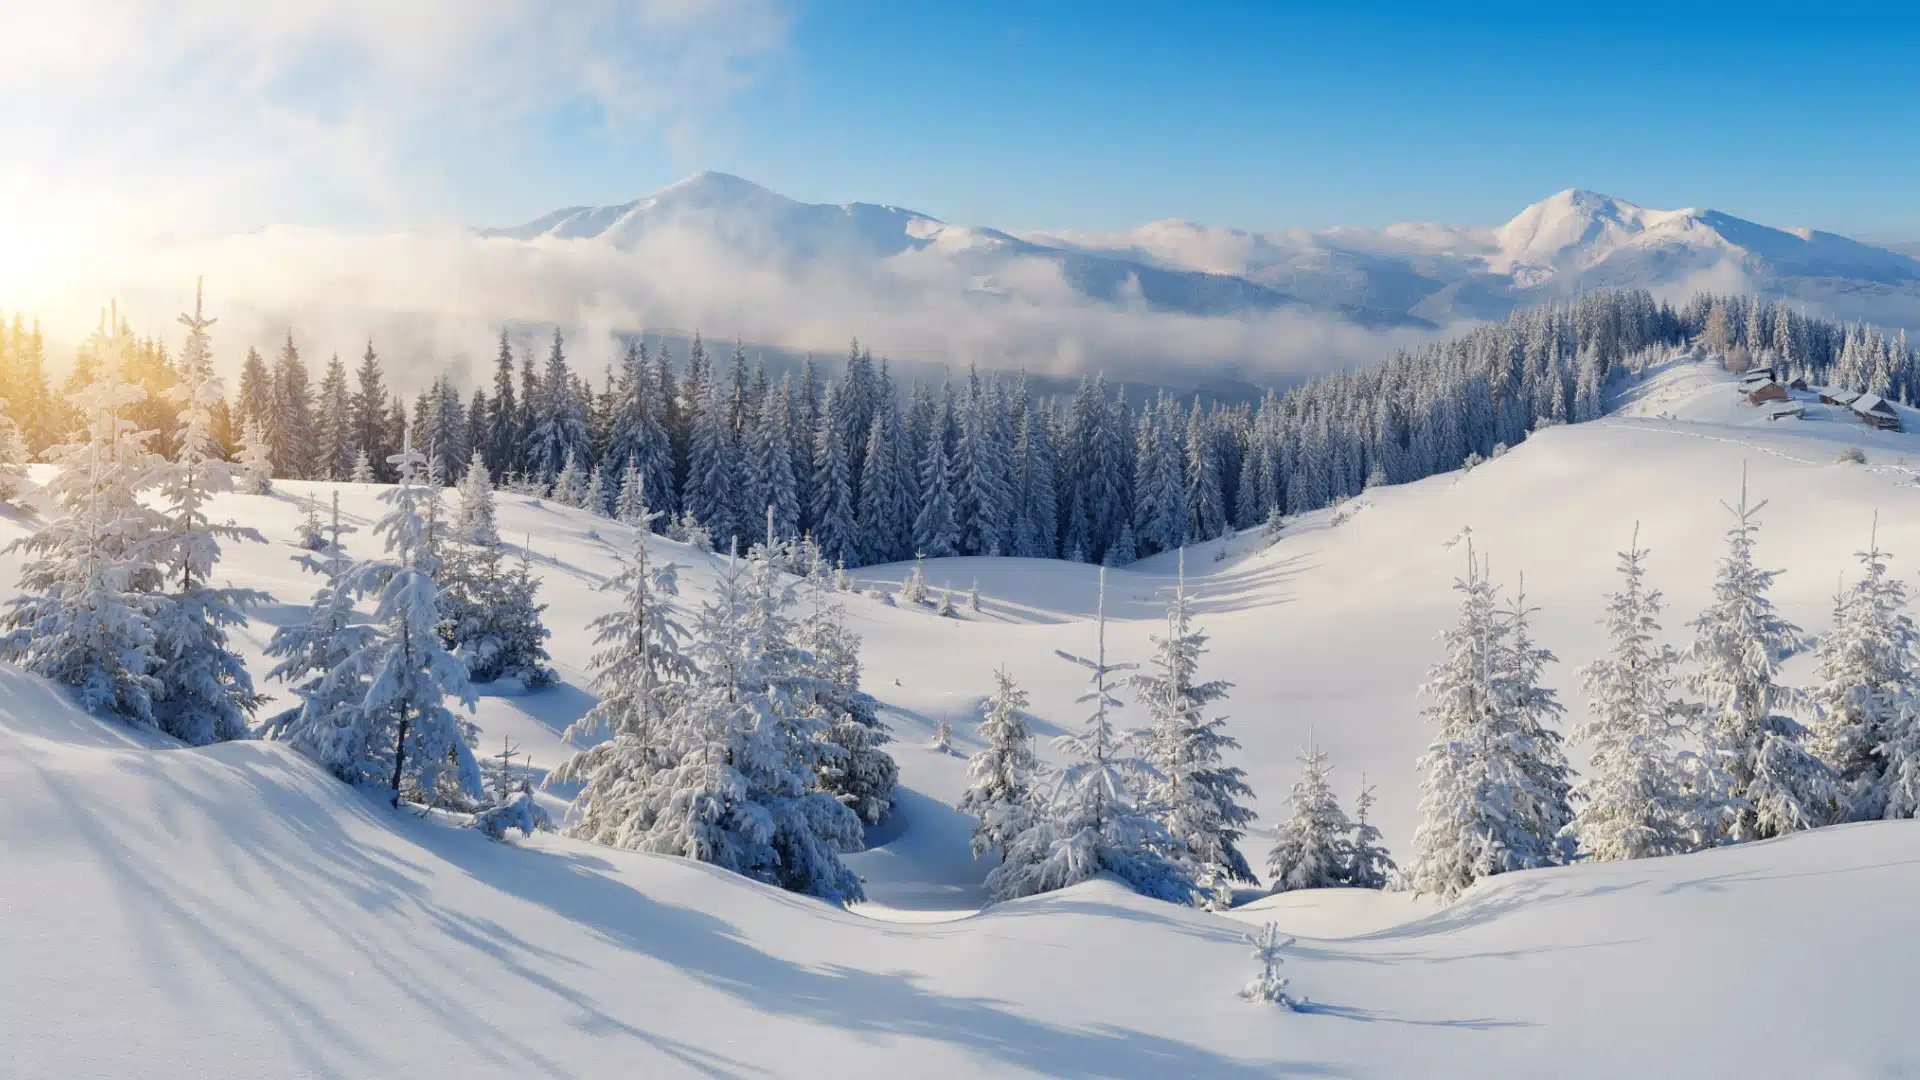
<point>1799,383</point>
<point>1876,412</point>
<point>1761,393</point>
<point>1787,412</point>
<point>1830,396</point>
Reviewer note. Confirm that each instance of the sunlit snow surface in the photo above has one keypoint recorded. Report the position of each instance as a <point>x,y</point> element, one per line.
<point>233,912</point>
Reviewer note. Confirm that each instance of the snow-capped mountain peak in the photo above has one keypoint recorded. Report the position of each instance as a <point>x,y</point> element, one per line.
<point>1404,274</point>
<point>1575,229</point>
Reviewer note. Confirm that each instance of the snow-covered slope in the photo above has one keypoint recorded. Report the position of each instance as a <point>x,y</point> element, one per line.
<point>232,912</point>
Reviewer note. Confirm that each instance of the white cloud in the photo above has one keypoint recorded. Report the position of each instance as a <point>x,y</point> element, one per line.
<point>223,113</point>
<point>434,299</point>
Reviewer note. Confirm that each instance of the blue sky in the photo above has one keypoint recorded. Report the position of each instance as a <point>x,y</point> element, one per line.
<point>1269,115</point>
<point>1029,115</point>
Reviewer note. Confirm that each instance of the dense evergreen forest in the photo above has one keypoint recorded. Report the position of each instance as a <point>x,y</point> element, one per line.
<point>874,470</point>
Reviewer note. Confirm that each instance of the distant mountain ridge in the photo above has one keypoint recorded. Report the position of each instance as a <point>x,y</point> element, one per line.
<point>1411,274</point>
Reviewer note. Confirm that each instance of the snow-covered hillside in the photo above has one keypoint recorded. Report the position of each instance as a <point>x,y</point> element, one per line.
<point>235,912</point>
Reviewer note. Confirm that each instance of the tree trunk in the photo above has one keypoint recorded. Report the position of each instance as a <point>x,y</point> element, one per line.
<point>399,761</point>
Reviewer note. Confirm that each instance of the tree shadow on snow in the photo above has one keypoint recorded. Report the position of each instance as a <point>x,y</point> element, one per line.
<point>356,879</point>
<point>1375,1016</point>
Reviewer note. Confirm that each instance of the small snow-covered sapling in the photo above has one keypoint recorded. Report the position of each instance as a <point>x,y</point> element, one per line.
<point>1268,986</point>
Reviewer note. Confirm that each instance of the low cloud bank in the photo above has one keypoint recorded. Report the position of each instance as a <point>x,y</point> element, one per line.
<point>433,300</point>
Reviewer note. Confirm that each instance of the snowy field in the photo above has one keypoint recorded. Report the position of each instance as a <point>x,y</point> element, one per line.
<point>235,912</point>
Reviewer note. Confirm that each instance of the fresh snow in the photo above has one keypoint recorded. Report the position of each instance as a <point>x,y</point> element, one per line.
<point>234,911</point>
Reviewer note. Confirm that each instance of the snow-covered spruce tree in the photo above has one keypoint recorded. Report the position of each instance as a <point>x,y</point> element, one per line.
<point>1196,795</point>
<point>599,492</point>
<point>475,521</point>
<point>256,459</point>
<point>739,788</point>
<point>834,527</point>
<point>1637,796</point>
<point>1091,824</point>
<point>630,506</point>
<point>1001,776</point>
<point>314,659</point>
<point>570,483</point>
<point>491,616</point>
<point>362,468</point>
<point>89,585</point>
<point>1268,987</point>
<point>935,532</point>
<point>205,694</point>
<point>13,457</point>
<point>313,531</point>
<point>1770,782</point>
<point>852,766</point>
<point>1369,864</point>
<point>1313,848</point>
<point>913,589</point>
<point>402,734</point>
<point>1867,692</point>
<point>1275,525</point>
<point>641,673</point>
<point>1496,796</point>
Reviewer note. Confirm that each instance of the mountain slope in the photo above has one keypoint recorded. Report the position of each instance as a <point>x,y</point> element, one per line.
<point>233,912</point>
<point>1567,242</point>
<point>760,227</point>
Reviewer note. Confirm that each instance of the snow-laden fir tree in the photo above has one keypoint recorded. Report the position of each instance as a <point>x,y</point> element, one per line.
<point>1867,694</point>
<point>738,788</point>
<point>1638,795</point>
<point>313,531</point>
<point>205,694</point>
<point>1770,782</point>
<point>256,459</point>
<point>362,467</point>
<point>13,457</point>
<point>834,527</point>
<point>314,661</point>
<point>913,588</point>
<point>598,495</point>
<point>1090,823</point>
<point>1001,776</point>
<point>640,673</point>
<point>570,483</point>
<point>475,520</point>
<point>630,506</point>
<point>1195,794</point>
<point>852,766</point>
<point>1313,848</point>
<point>399,732</point>
<point>1268,987</point>
<point>935,533</point>
<point>1495,797</point>
<point>491,616</point>
<point>1370,866</point>
<point>1273,527</point>
<point>90,582</point>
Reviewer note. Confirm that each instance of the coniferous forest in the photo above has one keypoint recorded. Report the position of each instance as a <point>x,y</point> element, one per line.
<point>875,470</point>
